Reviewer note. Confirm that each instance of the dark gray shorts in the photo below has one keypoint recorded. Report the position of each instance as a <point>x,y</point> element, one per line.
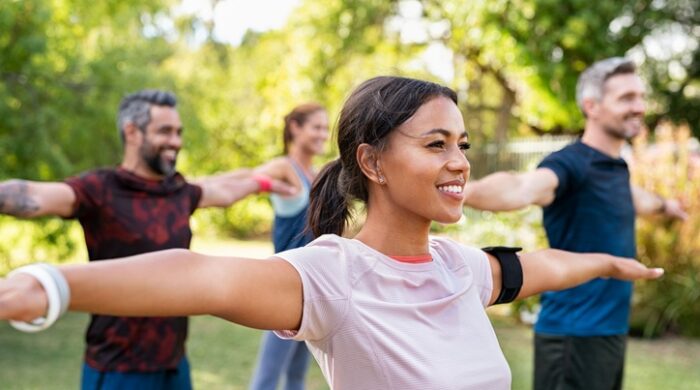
<point>572,363</point>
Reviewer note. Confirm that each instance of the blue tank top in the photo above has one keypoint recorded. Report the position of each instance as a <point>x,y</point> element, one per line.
<point>289,229</point>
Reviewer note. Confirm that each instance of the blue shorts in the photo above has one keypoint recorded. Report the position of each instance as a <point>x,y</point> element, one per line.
<point>177,379</point>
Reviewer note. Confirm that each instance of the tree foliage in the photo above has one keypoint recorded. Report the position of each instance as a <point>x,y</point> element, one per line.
<point>65,64</point>
<point>532,51</point>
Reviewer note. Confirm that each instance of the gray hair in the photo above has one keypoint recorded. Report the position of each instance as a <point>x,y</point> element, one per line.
<point>591,82</point>
<point>136,108</point>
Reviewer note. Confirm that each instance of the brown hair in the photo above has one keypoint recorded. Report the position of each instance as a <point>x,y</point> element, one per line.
<point>299,115</point>
<point>369,115</point>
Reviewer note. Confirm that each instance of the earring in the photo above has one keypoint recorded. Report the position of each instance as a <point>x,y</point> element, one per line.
<point>381,180</point>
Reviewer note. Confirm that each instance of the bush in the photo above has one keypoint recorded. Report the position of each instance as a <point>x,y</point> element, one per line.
<point>521,228</point>
<point>671,168</point>
<point>50,240</point>
<point>249,218</point>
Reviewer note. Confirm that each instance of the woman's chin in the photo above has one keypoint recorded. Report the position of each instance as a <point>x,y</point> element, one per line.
<point>448,219</point>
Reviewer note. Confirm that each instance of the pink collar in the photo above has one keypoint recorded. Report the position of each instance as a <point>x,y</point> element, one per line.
<point>414,259</point>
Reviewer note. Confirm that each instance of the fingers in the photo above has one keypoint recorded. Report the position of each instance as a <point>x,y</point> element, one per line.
<point>655,273</point>
<point>649,273</point>
<point>680,214</point>
<point>633,270</point>
<point>282,188</point>
<point>22,298</point>
<point>675,209</point>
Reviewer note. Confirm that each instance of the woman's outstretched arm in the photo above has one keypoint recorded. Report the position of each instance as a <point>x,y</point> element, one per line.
<point>553,269</point>
<point>264,294</point>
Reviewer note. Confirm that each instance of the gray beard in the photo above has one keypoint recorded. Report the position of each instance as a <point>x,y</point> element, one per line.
<point>157,164</point>
<point>161,167</point>
<point>616,133</point>
<point>620,133</point>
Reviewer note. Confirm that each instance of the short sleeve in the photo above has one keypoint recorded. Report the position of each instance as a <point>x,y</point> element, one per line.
<point>88,189</point>
<point>569,168</point>
<point>481,269</point>
<point>326,288</point>
<point>195,192</point>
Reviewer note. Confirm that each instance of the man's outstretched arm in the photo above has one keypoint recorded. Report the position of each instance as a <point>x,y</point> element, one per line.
<point>30,199</point>
<point>225,189</point>
<point>505,191</point>
<point>648,203</point>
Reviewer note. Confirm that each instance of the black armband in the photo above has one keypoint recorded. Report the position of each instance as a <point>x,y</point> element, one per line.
<point>511,272</point>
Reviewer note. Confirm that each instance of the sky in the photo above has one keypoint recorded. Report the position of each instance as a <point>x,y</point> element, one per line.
<point>232,18</point>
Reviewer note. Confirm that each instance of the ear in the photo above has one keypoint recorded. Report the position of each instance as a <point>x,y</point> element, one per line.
<point>590,107</point>
<point>132,134</point>
<point>368,160</point>
<point>294,127</point>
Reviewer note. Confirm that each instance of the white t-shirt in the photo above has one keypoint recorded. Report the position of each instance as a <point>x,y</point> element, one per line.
<point>372,322</point>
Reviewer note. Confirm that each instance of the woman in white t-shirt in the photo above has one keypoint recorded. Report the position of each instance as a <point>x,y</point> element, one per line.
<point>391,308</point>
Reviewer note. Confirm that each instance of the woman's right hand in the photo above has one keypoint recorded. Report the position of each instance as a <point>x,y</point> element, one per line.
<point>22,298</point>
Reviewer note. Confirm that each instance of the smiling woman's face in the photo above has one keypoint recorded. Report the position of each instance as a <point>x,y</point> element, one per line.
<point>424,163</point>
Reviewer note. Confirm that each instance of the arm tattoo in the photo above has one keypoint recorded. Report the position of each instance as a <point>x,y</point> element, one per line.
<point>15,199</point>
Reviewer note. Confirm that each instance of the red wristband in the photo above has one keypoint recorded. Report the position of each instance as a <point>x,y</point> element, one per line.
<point>264,182</point>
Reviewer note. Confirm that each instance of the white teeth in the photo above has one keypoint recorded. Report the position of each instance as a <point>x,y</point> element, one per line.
<point>451,189</point>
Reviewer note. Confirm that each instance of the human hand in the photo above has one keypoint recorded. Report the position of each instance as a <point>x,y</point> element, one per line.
<point>281,188</point>
<point>629,269</point>
<point>22,298</point>
<point>674,209</point>
<point>268,184</point>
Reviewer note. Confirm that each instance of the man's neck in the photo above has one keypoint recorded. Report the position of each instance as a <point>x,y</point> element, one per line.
<point>598,139</point>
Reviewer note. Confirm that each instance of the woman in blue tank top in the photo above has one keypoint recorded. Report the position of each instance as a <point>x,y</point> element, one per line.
<point>305,136</point>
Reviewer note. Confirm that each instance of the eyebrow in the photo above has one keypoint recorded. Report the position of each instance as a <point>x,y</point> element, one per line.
<point>168,127</point>
<point>443,132</point>
<point>632,93</point>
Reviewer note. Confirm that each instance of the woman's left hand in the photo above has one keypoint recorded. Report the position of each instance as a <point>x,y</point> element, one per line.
<point>629,269</point>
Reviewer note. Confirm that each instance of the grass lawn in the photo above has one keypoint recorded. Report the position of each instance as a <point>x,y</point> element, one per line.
<point>669,363</point>
<point>222,355</point>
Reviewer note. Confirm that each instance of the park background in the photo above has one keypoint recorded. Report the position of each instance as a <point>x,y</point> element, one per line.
<point>237,67</point>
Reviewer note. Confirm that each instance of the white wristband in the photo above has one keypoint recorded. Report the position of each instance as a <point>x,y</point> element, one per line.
<point>57,292</point>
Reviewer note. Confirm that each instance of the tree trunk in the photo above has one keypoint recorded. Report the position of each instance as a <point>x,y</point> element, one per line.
<point>504,115</point>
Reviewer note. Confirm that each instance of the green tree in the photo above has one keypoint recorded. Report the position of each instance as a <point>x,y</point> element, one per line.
<point>532,52</point>
<point>64,66</point>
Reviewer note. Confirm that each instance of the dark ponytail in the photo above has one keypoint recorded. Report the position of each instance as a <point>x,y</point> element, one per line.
<point>328,206</point>
<point>369,115</point>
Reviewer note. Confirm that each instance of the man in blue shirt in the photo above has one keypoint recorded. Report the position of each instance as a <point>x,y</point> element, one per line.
<point>589,206</point>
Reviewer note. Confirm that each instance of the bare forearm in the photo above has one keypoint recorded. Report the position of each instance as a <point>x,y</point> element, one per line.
<point>251,182</point>
<point>552,269</point>
<point>234,175</point>
<point>264,294</point>
<point>226,189</point>
<point>494,192</point>
<point>241,188</point>
<point>647,203</point>
<point>167,283</point>
<point>16,199</point>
